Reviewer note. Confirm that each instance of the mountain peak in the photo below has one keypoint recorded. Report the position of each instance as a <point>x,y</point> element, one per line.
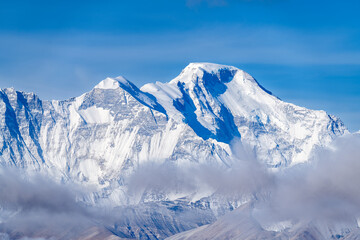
<point>224,74</point>
<point>124,84</point>
<point>195,72</point>
<point>209,67</point>
<point>108,83</point>
<point>114,83</point>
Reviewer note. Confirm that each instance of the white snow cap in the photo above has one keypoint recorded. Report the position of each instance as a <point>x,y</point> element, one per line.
<point>209,67</point>
<point>111,83</point>
<point>197,69</point>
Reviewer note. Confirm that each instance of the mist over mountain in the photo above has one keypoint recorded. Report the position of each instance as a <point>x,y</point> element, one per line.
<point>212,150</point>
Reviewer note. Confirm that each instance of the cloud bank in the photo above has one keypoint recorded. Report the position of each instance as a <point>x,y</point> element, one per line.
<point>35,206</point>
<point>324,190</point>
<point>245,177</point>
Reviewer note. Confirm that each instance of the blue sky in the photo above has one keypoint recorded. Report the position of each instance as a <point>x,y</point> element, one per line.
<point>305,52</point>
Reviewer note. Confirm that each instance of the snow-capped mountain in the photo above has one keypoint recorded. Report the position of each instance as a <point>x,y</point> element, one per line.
<point>116,126</point>
<point>222,102</point>
<point>104,135</point>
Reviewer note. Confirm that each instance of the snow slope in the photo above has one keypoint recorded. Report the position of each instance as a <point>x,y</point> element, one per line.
<point>222,102</point>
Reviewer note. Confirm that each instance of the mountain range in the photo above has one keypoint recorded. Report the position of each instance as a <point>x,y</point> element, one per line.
<point>117,139</point>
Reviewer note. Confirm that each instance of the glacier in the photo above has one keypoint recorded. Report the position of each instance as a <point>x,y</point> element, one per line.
<point>102,137</point>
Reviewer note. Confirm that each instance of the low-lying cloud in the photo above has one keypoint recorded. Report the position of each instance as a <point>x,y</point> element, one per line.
<point>245,177</point>
<point>325,190</point>
<point>35,206</point>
